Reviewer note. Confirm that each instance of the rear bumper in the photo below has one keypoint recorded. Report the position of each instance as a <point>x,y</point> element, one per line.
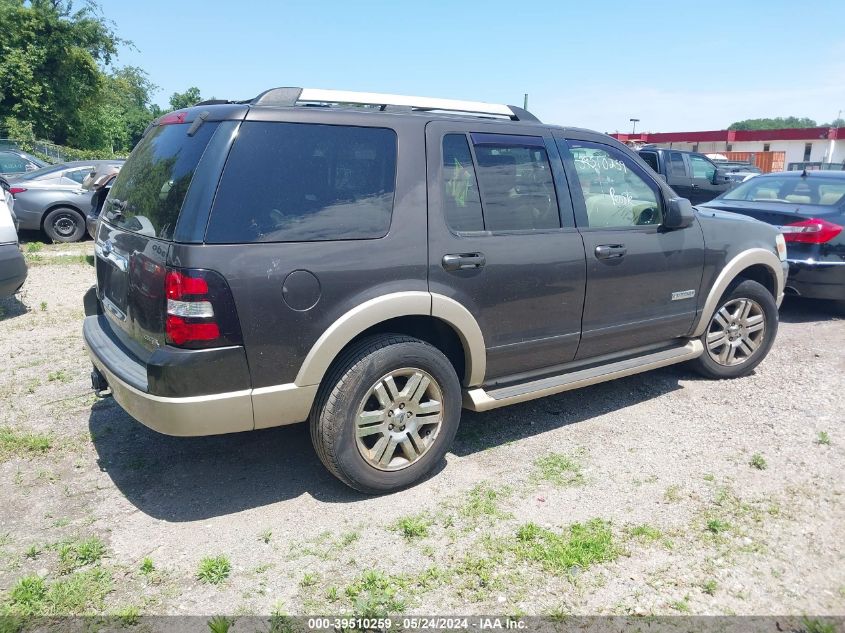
<point>816,280</point>
<point>206,414</point>
<point>12,269</point>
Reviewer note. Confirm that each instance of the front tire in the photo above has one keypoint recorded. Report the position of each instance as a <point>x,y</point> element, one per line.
<point>740,333</point>
<point>386,413</point>
<point>64,225</point>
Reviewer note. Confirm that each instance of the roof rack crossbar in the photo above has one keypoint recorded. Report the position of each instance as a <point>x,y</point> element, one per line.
<point>294,96</point>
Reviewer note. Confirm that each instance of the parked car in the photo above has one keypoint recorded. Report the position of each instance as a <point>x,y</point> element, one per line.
<point>54,201</point>
<point>15,162</point>
<point>738,171</point>
<point>376,269</point>
<point>12,265</point>
<point>809,209</point>
<point>690,174</point>
<point>101,185</point>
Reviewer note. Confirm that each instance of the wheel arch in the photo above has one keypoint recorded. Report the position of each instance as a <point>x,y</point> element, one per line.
<point>436,319</point>
<point>757,264</point>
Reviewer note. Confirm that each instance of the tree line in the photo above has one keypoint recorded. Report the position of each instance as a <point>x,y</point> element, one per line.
<point>59,82</point>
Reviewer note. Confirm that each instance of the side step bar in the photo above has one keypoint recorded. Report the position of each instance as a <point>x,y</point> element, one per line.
<point>480,400</point>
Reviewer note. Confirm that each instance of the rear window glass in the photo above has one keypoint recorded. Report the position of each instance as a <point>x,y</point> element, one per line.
<point>789,189</point>
<point>294,182</point>
<point>149,191</point>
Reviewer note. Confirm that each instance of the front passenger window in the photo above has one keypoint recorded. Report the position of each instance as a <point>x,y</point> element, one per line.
<point>615,194</point>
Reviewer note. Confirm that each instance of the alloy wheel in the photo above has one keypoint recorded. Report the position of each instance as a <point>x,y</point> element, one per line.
<point>399,419</point>
<point>736,332</point>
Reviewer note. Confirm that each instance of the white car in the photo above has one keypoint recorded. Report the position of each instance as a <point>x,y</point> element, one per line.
<point>12,264</point>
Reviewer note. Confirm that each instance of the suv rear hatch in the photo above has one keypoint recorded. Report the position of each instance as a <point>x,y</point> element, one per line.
<point>162,195</point>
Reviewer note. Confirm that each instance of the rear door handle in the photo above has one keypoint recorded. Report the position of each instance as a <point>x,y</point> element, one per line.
<point>610,251</point>
<point>463,261</point>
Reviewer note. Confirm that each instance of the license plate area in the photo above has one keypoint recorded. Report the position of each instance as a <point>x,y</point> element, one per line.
<point>113,281</point>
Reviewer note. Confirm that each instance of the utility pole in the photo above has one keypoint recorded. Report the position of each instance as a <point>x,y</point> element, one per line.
<point>634,128</point>
<point>525,102</point>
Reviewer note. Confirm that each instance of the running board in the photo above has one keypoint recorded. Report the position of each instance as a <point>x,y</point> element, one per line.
<point>480,400</point>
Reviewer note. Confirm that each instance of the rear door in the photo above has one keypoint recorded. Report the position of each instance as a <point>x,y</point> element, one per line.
<point>678,175</point>
<point>641,279</point>
<point>502,241</point>
<point>139,223</point>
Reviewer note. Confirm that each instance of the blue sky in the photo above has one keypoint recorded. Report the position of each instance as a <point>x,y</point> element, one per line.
<point>591,63</point>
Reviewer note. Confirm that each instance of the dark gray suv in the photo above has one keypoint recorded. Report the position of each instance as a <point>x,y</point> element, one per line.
<point>375,263</point>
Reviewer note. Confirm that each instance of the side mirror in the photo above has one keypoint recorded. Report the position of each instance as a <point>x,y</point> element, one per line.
<point>720,176</point>
<point>679,214</point>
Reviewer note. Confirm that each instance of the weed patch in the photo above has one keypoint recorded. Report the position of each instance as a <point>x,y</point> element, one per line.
<point>579,546</point>
<point>415,526</point>
<point>213,570</point>
<point>559,469</point>
<point>17,444</point>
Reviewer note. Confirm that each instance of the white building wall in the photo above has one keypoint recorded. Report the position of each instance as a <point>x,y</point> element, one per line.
<point>794,149</point>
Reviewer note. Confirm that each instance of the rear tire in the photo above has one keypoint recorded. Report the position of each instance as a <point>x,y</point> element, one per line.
<point>64,224</point>
<point>740,332</point>
<point>386,413</point>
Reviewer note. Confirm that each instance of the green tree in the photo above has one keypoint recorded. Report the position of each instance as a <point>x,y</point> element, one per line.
<point>777,123</point>
<point>180,100</point>
<point>50,64</point>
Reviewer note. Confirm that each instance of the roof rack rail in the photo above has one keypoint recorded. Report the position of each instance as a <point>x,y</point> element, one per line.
<point>290,97</point>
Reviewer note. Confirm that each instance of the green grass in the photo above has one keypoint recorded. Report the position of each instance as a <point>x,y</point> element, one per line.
<point>213,570</point>
<point>60,374</point>
<point>672,493</point>
<point>717,526</point>
<point>265,536</point>
<point>758,462</point>
<point>219,624</point>
<point>680,605</point>
<point>485,501</point>
<point>813,625</point>
<point>147,566</point>
<point>308,580</point>
<point>413,526</point>
<point>34,247</point>
<point>559,469</point>
<point>73,555</point>
<point>18,444</point>
<point>332,594</point>
<point>128,616</point>
<point>710,587</point>
<point>58,260</point>
<point>82,592</point>
<point>823,439</point>
<point>578,546</point>
<point>375,595</point>
<point>644,532</point>
<point>44,306</point>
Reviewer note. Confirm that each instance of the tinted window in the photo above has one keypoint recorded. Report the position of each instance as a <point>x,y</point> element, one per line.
<point>148,193</point>
<point>78,175</point>
<point>517,190</point>
<point>292,182</point>
<point>12,164</point>
<point>461,202</point>
<point>615,194</point>
<point>676,165</point>
<point>701,167</point>
<point>651,159</point>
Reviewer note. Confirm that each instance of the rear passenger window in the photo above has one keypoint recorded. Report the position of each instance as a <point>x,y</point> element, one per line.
<point>676,165</point>
<point>517,190</point>
<point>295,182</point>
<point>461,202</point>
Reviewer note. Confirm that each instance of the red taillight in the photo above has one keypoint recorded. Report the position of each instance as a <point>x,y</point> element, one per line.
<point>14,190</point>
<point>179,284</point>
<point>200,310</point>
<point>180,331</point>
<point>173,118</point>
<point>812,231</point>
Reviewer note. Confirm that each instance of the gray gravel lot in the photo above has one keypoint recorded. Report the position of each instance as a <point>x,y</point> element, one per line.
<point>655,469</point>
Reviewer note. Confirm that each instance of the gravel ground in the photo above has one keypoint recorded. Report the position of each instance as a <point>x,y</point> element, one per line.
<point>692,496</point>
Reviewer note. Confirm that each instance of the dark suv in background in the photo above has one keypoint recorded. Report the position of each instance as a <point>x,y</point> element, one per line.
<point>374,263</point>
